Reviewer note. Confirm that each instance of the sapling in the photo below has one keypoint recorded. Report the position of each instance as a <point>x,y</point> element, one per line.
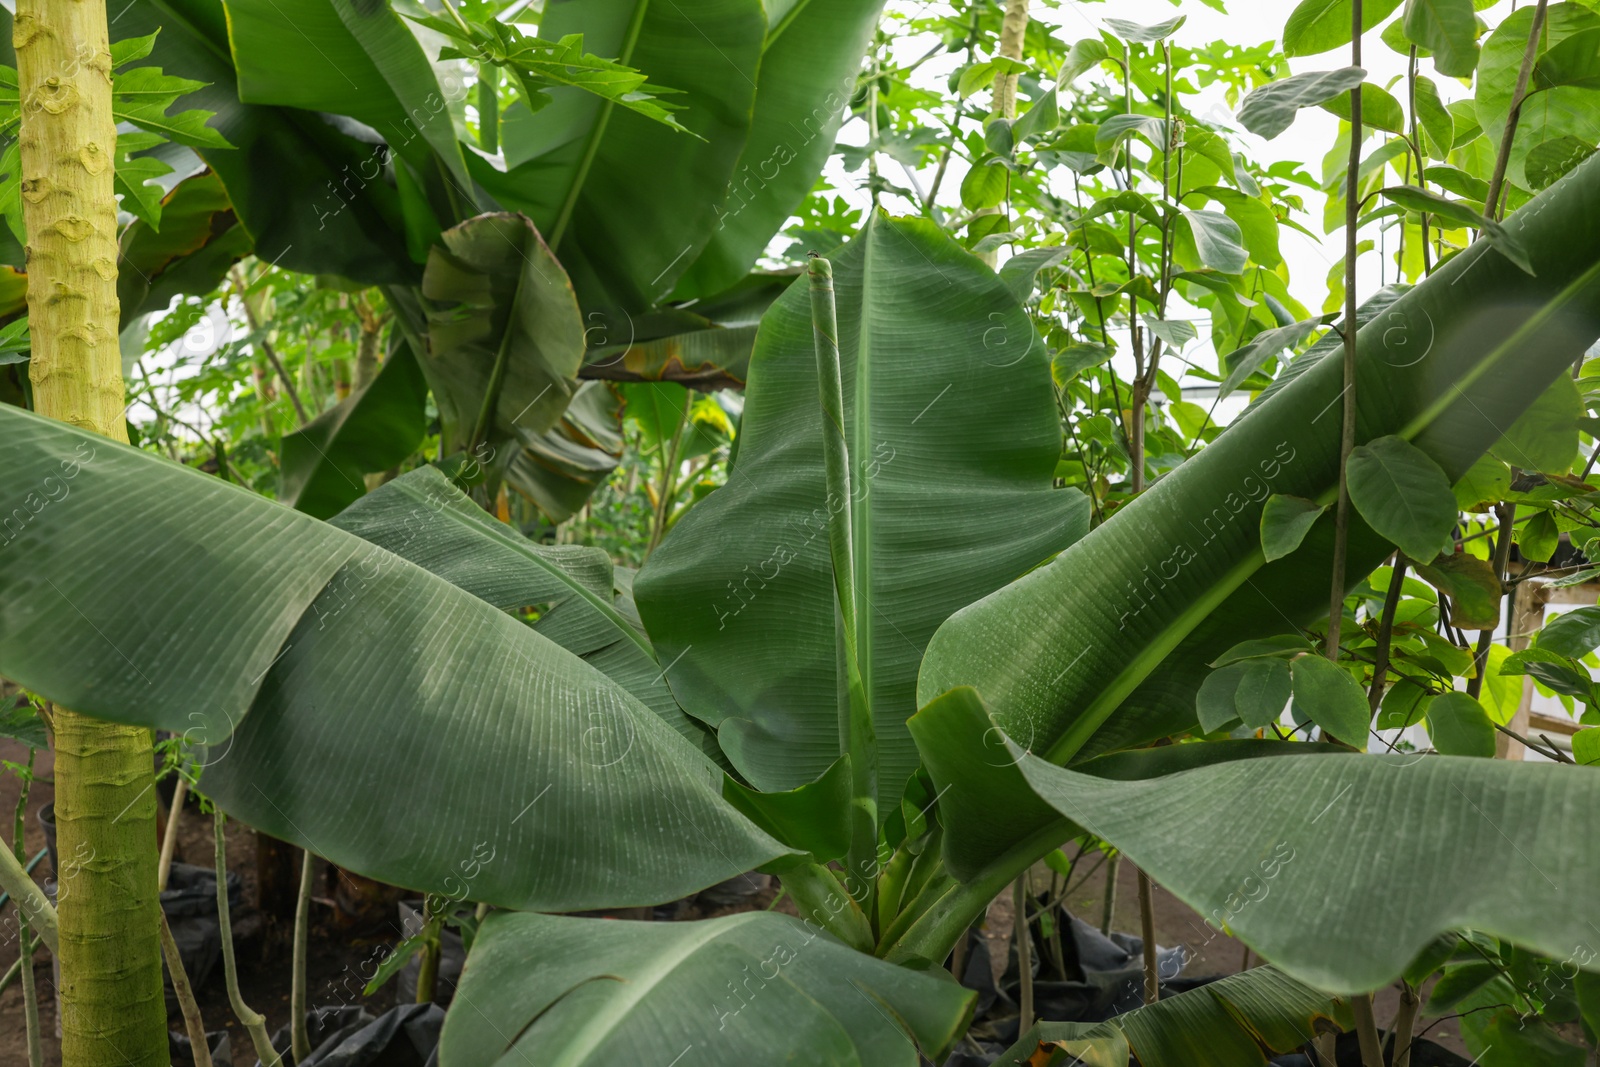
<point>254,1023</point>
<point>299,1040</point>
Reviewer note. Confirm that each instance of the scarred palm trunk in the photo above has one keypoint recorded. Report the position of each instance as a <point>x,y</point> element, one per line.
<point>112,1011</point>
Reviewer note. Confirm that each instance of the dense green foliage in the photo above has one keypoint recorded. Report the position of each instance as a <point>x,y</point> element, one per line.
<point>644,560</point>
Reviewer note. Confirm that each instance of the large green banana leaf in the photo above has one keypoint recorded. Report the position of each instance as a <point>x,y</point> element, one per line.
<point>1128,617</point>
<point>706,359</point>
<point>199,240</point>
<point>757,988</point>
<point>1236,1022</point>
<point>808,74</point>
<point>378,427</point>
<point>355,59</point>
<point>707,348</point>
<point>421,516</point>
<point>560,469</point>
<point>312,198</point>
<point>502,320</point>
<point>953,435</point>
<point>1340,869</point>
<point>991,816</point>
<point>627,201</point>
<point>349,701</point>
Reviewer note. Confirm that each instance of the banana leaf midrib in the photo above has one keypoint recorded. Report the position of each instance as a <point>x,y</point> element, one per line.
<point>862,516</point>
<point>597,132</point>
<point>576,1050</point>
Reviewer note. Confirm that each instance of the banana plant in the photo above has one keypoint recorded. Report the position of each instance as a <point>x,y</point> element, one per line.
<point>897,714</point>
<point>355,164</point>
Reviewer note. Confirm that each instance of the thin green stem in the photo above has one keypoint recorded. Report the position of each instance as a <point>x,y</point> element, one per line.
<point>31,902</point>
<point>1019,907</point>
<point>1506,514</point>
<point>1380,654</point>
<point>1491,202</point>
<point>253,1022</point>
<point>958,905</point>
<point>1347,432</point>
<point>299,1039</point>
<point>1147,931</point>
<point>432,950</point>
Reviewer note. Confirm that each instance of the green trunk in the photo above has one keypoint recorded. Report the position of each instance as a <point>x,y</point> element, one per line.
<point>112,1011</point>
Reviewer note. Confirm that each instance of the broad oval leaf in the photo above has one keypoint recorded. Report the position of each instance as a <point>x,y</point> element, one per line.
<point>1285,521</point>
<point>349,692</point>
<point>1364,860</point>
<point>1562,111</point>
<point>941,371</point>
<point>1449,30</point>
<point>1325,693</point>
<point>1322,25</point>
<point>1403,705</point>
<point>1574,633</point>
<point>1538,538</point>
<point>1083,56</point>
<point>1379,109</point>
<point>1255,691</point>
<point>1021,270</point>
<point>548,990</point>
<point>1402,494</point>
<point>1218,241</point>
<point>1135,33</point>
<point>1472,585</point>
<point>1438,125</point>
<point>1485,483</point>
<point>1270,110</point>
<point>1458,726</point>
<point>1118,128</point>
<point>1285,646</point>
<point>1574,61</point>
